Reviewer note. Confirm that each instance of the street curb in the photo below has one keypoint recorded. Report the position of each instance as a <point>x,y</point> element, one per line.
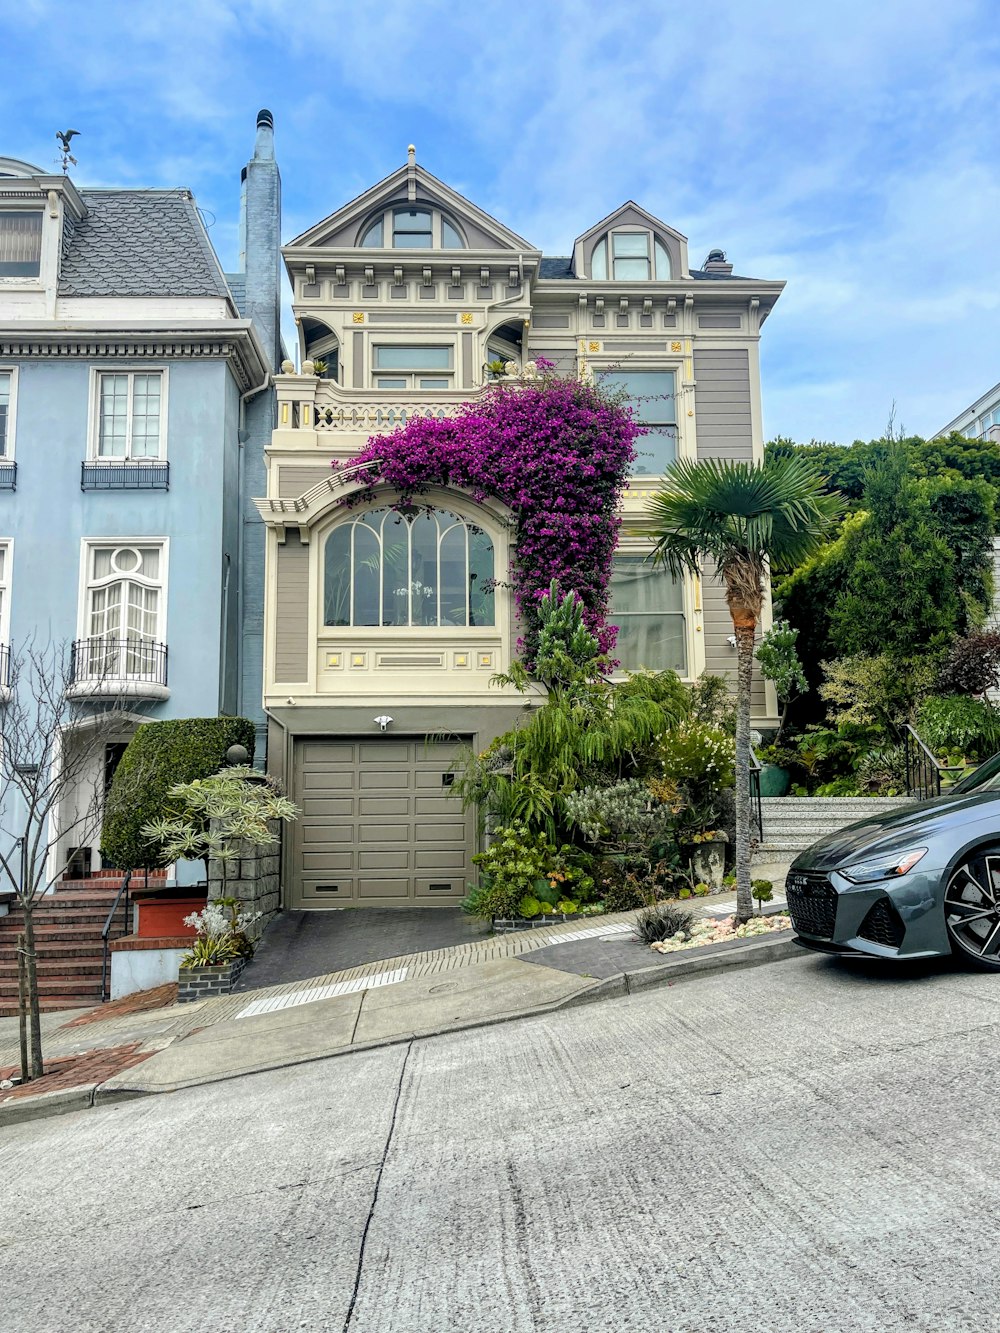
<point>712,958</point>
<point>47,1104</point>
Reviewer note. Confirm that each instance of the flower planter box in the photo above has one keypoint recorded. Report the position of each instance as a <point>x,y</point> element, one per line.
<point>503,925</point>
<point>201,983</point>
<point>162,913</point>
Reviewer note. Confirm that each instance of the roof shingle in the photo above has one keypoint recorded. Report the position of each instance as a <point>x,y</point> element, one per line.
<point>140,243</point>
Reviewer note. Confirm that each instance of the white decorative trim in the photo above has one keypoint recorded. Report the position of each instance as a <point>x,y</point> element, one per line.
<point>8,455</point>
<point>94,411</point>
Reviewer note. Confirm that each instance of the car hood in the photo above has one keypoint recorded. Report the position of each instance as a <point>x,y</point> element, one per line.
<point>899,829</point>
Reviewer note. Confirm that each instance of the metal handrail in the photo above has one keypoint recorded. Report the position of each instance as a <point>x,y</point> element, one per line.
<point>923,768</point>
<point>98,659</point>
<point>106,932</point>
<point>755,770</point>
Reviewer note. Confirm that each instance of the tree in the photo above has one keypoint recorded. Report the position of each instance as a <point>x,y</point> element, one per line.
<point>779,663</point>
<point>744,518</point>
<point>52,753</point>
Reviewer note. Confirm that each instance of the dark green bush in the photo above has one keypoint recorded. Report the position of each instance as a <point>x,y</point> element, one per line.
<point>160,755</point>
<point>662,922</point>
<point>958,724</point>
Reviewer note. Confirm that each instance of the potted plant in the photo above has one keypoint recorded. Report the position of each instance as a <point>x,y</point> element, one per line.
<point>220,951</point>
<point>708,856</point>
<point>775,773</point>
<point>779,664</point>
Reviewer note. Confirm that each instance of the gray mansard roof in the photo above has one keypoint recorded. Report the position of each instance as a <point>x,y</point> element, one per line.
<point>140,243</point>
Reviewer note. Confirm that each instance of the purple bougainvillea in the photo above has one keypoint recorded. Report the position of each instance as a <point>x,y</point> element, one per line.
<point>557,453</point>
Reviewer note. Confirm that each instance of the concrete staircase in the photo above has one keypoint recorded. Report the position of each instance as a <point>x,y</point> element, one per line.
<point>68,925</point>
<point>792,823</point>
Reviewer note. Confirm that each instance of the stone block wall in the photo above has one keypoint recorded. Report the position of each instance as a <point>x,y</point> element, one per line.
<point>254,878</point>
<point>201,983</point>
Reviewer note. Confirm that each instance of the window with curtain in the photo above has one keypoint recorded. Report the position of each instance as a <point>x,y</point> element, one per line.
<point>20,243</point>
<point>123,612</point>
<point>406,568</point>
<point>651,394</point>
<point>129,416</point>
<point>647,605</point>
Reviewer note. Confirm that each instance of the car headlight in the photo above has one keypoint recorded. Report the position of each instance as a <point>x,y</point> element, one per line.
<point>888,866</point>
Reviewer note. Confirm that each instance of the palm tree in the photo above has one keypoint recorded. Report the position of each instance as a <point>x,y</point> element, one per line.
<point>746,518</point>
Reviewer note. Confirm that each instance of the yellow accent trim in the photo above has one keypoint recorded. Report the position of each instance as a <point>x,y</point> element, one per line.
<point>284,414</point>
<point>676,347</point>
<point>466,317</point>
<point>593,347</point>
<point>358,317</point>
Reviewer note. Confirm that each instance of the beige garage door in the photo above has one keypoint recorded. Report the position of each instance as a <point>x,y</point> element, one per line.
<point>379,827</point>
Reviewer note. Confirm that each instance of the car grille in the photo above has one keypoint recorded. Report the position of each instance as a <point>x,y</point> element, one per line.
<point>812,905</point>
<point>883,925</point>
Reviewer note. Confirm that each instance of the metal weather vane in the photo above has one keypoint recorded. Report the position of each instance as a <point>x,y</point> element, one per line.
<point>64,137</point>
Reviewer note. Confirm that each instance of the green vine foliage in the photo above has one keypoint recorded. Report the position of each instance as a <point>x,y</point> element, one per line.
<point>587,731</point>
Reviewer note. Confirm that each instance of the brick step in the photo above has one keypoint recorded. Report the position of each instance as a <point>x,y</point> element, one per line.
<point>87,968</point>
<point>82,988</point>
<point>54,947</point>
<point>63,896</point>
<point>48,1005</point>
<point>70,916</point>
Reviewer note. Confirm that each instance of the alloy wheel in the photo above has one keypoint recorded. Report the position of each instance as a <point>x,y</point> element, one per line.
<point>972,908</point>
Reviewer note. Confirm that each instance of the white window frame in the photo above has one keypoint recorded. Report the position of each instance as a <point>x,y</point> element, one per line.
<point>7,547</point>
<point>36,206</point>
<point>626,366</point>
<point>88,546</point>
<point>8,455</point>
<point>413,376</point>
<point>653,242</point>
<point>93,448</point>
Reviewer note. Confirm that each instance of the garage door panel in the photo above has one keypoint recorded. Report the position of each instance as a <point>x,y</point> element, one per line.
<point>384,805</point>
<point>387,831</point>
<point>378,825</point>
<point>441,832</point>
<point>325,860</point>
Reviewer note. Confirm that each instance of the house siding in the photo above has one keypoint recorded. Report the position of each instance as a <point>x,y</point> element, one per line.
<point>722,403</point>
<point>291,658</point>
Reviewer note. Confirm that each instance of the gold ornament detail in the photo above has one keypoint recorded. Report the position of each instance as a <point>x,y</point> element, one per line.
<point>466,317</point>
<point>358,317</point>
<point>675,347</point>
<point>593,347</point>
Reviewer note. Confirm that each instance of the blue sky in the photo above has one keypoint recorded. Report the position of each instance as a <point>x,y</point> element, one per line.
<point>851,149</point>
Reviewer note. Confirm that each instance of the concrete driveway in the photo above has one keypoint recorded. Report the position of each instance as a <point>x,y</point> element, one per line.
<point>299,945</point>
<point>798,1148</point>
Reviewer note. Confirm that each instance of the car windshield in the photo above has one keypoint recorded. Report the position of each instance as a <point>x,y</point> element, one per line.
<point>985,778</point>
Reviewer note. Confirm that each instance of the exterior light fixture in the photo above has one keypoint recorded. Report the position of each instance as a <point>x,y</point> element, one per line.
<point>382,721</point>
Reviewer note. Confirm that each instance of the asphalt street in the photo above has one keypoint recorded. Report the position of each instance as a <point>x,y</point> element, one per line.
<point>805,1147</point>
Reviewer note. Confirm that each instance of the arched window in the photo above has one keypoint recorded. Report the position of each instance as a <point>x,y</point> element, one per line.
<point>408,567</point>
<point>635,255</point>
<point>417,228</point>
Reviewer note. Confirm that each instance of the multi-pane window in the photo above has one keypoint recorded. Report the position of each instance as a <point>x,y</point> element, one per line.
<point>408,567</point>
<point>634,255</point>
<point>419,228</point>
<point>124,606</point>
<point>412,367</point>
<point>6,423</point>
<point>651,396</point>
<point>20,243</point>
<point>5,555</point>
<point>129,412</point>
<point>647,605</point>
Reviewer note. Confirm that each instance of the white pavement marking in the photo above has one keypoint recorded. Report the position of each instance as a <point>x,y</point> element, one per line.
<point>620,928</point>
<point>727,909</point>
<point>308,996</point>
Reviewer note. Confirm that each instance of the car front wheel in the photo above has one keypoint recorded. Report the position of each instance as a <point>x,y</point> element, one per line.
<point>972,908</point>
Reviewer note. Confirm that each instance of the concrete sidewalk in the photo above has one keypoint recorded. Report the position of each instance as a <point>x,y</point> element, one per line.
<point>482,982</point>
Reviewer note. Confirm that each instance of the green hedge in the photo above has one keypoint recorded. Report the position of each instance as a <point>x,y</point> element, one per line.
<point>159,755</point>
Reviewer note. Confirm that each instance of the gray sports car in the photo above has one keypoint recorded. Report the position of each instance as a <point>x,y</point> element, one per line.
<point>913,884</point>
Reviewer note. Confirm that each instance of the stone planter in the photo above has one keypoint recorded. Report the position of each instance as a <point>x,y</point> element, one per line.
<point>201,983</point>
<point>774,781</point>
<point>708,861</point>
<point>504,925</point>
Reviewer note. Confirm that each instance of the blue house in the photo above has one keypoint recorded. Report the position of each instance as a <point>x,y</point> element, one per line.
<point>135,406</point>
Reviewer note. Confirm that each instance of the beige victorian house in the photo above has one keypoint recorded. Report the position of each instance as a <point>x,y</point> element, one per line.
<point>381,632</point>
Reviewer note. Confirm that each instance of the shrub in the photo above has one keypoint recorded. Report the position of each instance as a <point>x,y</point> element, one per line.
<point>711,704</point>
<point>524,867</point>
<point>625,815</point>
<point>662,922</point>
<point>957,722</point>
<point>699,761</point>
<point>972,666</point>
<point>880,691</point>
<point>882,772</point>
<point>222,933</point>
<point>159,756</point>
<point>779,663</point>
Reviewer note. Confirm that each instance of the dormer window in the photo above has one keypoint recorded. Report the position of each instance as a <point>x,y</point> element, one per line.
<point>20,243</point>
<point>411,229</point>
<point>636,256</point>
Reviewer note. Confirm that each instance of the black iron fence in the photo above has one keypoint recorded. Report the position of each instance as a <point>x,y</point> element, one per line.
<point>153,476</point>
<point>96,660</point>
<point>8,474</point>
